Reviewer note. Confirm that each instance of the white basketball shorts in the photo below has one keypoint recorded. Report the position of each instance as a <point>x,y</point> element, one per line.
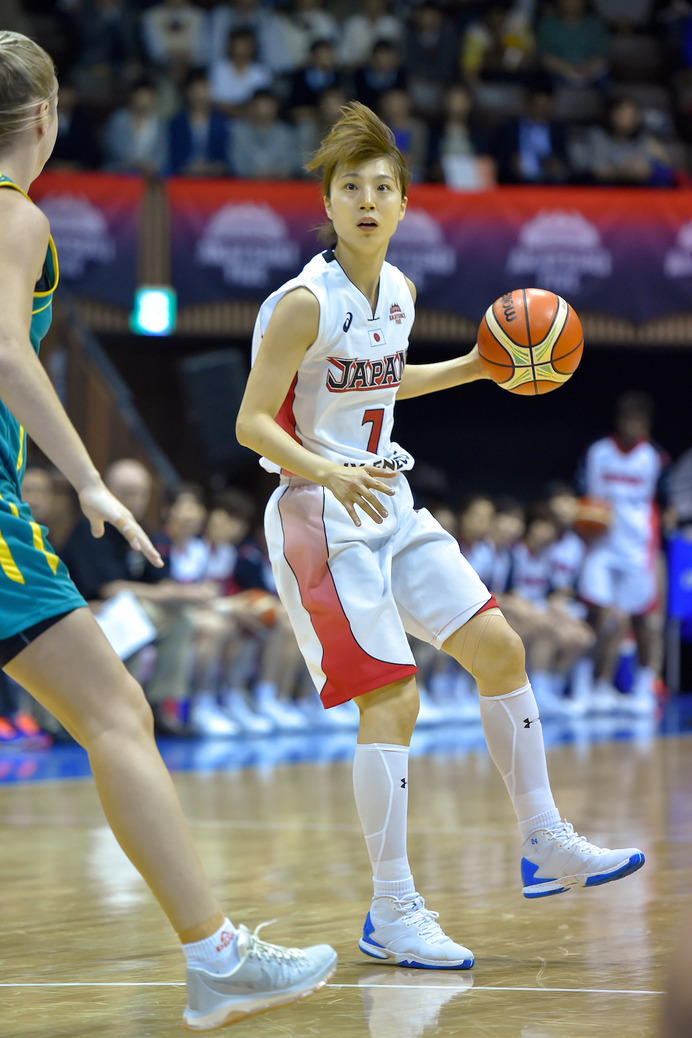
<point>610,582</point>
<point>353,593</point>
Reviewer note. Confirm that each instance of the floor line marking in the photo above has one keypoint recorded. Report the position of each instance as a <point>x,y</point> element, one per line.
<point>399,987</point>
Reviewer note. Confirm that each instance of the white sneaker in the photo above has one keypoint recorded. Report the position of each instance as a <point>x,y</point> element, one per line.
<point>267,976</point>
<point>405,930</point>
<point>605,698</point>
<point>641,701</point>
<point>236,706</point>
<point>558,858</point>
<point>283,715</point>
<point>405,1003</point>
<point>207,718</point>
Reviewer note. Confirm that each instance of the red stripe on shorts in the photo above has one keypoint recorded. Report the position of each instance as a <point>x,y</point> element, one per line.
<point>490,604</point>
<point>350,670</point>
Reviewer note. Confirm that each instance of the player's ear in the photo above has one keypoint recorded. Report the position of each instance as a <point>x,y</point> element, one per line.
<point>404,203</point>
<point>327,206</point>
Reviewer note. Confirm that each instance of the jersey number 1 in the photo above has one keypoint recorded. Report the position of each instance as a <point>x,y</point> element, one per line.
<point>376,417</point>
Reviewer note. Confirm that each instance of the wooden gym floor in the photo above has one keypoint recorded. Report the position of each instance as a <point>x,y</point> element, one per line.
<point>86,953</point>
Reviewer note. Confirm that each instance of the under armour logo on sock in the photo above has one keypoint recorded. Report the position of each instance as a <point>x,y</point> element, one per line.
<point>403,783</point>
<point>527,723</point>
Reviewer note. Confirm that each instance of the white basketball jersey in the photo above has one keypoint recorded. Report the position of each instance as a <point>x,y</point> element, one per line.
<point>341,403</point>
<point>628,479</point>
<point>530,576</point>
<point>566,556</point>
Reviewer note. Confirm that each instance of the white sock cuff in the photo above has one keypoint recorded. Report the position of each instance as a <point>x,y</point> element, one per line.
<point>546,820</point>
<point>510,695</point>
<point>393,887</point>
<point>389,747</point>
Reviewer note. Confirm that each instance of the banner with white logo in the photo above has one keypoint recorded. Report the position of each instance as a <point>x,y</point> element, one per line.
<point>625,253</point>
<point>95,220</point>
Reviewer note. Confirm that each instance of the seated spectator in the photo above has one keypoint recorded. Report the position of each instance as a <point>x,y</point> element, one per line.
<point>108,56</point>
<point>623,153</point>
<point>198,135</point>
<point>268,26</point>
<point>410,132</point>
<point>374,21</point>
<point>311,131</point>
<point>474,520</point>
<point>106,566</point>
<point>235,79</point>
<point>262,145</point>
<point>134,137</point>
<point>573,45</point>
<point>430,57</point>
<point>48,507</point>
<point>182,546</point>
<point>498,45</point>
<point>76,145</point>
<point>263,669</point>
<point>531,148</point>
<point>458,149</point>
<point>383,71</point>
<point>320,73</point>
<point>175,32</point>
<point>307,22</point>
<point>562,639</point>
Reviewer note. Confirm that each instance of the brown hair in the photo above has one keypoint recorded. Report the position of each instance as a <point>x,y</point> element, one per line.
<point>357,136</point>
<point>27,79</point>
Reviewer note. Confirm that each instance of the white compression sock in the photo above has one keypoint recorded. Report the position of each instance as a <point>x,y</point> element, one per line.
<point>380,784</point>
<point>218,953</point>
<point>514,736</point>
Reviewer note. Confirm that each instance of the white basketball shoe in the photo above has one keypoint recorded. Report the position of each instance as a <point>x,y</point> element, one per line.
<point>558,858</point>
<point>404,930</point>
<point>266,977</point>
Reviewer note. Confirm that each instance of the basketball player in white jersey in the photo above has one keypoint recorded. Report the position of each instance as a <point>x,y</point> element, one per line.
<point>620,571</point>
<point>357,566</point>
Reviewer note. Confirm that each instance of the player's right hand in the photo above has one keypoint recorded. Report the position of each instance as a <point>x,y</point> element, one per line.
<point>358,488</point>
<point>100,506</point>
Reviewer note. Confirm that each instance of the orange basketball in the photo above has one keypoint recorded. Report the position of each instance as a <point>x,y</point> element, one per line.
<point>530,341</point>
<point>594,516</point>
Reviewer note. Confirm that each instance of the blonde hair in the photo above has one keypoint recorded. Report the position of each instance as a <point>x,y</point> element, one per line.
<point>357,136</point>
<point>27,79</point>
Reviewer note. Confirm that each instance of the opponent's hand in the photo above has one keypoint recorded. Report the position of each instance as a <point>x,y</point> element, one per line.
<point>358,488</point>
<point>100,506</point>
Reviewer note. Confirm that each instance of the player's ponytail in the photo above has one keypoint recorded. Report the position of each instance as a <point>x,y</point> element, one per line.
<point>27,79</point>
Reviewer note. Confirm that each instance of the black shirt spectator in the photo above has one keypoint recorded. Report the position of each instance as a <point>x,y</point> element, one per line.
<point>94,562</point>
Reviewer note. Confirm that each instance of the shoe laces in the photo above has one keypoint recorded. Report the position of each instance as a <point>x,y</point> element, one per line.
<point>260,949</point>
<point>564,834</point>
<point>416,915</point>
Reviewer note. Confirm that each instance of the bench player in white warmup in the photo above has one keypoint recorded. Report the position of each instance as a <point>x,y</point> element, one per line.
<point>357,567</point>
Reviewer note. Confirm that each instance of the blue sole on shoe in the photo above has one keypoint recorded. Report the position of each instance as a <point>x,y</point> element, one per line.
<point>635,862</point>
<point>377,951</point>
<point>528,870</point>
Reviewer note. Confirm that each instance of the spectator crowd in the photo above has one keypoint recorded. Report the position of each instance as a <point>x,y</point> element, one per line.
<point>477,92</point>
<point>578,573</point>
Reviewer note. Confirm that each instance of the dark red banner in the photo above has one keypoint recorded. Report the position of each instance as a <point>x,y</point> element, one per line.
<point>95,220</point>
<point>626,253</point>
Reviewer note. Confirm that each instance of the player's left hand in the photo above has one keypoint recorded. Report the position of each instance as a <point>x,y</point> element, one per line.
<point>476,365</point>
<point>100,507</point>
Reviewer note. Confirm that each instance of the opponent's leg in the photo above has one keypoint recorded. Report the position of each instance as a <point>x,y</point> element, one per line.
<point>555,858</point>
<point>398,925</point>
<point>72,670</point>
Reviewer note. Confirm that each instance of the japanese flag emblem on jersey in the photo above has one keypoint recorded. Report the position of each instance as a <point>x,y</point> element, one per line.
<point>377,337</point>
